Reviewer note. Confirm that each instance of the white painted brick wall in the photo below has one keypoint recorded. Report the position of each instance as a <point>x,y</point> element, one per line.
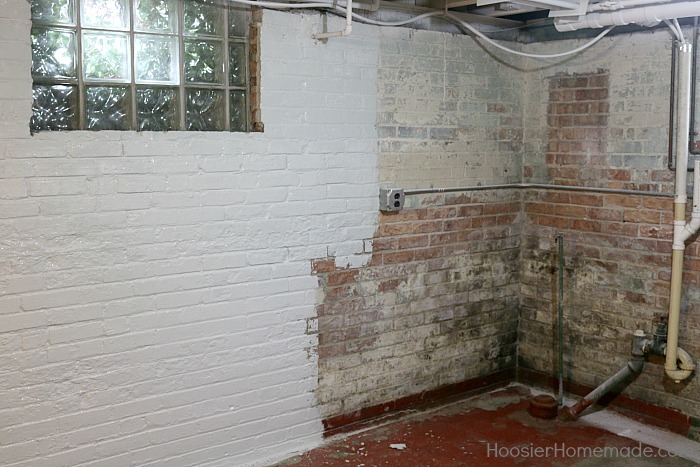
<point>156,288</point>
<point>448,112</point>
<point>639,100</point>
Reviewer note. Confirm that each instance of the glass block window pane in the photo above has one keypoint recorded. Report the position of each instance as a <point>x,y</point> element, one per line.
<point>107,107</point>
<point>156,59</point>
<point>204,61</point>
<point>238,20</point>
<point>54,108</point>
<point>205,110</point>
<point>239,110</point>
<point>106,56</point>
<point>237,64</point>
<point>155,16</point>
<point>157,109</point>
<point>107,14</point>
<point>144,65</point>
<point>202,17</point>
<point>53,11</point>
<point>53,53</point>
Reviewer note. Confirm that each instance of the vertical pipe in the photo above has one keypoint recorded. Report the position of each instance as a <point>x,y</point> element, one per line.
<point>560,316</point>
<point>679,207</point>
<point>344,32</point>
<point>673,352</point>
<point>672,112</point>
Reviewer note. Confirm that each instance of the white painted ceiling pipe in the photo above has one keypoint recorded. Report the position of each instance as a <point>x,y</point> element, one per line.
<point>645,16</point>
<point>621,4</point>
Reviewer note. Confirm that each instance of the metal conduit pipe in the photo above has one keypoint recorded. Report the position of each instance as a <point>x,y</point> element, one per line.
<point>632,369</point>
<point>560,315</point>
<point>645,16</point>
<point>539,186</point>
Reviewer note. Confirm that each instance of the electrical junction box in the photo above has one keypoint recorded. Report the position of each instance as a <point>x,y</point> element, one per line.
<point>391,199</point>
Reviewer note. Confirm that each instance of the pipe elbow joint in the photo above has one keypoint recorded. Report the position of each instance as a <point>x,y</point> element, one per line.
<point>681,371</point>
<point>691,228</point>
<point>640,344</point>
<point>636,365</point>
<point>681,232</point>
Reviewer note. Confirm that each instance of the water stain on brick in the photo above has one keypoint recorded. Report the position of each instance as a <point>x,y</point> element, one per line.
<point>403,314</point>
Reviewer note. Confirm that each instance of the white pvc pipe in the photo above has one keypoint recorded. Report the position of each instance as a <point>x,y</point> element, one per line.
<point>344,32</point>
<point>692,227</point>
<point>673,352</point>
<point>620,4</point>
<point>646,16</point>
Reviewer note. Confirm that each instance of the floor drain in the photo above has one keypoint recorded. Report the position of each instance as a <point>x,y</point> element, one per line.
<point>543,406</point>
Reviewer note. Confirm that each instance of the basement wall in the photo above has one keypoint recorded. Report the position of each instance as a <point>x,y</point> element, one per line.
<point>157,303</point>
<point>437,305</point>
<point>601,120</point>
<point>212,299</point>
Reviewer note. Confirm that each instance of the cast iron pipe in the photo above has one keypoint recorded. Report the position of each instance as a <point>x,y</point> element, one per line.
<point>633,368</point>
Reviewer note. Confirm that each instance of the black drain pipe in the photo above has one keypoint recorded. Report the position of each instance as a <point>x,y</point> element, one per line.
<point>640,343</point>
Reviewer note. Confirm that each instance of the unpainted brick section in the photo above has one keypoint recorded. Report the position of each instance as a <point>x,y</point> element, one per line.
<point>578,114</point>
<point>616,281</point>
<point>617,254</point>
<point>436,305</point>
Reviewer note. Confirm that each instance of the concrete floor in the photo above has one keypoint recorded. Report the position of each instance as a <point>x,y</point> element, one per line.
<point>495,429</point>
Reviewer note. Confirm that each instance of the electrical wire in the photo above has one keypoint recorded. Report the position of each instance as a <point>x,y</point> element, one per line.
<point>675,28</point>
<point>439,14</point>
<point>678,26</point>
<point>525,54</point>
<point>283,6</point>
<point>363,19</point>
<point>680,31</point>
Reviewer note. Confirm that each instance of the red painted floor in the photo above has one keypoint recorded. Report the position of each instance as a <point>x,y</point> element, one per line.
<point>493,429</point>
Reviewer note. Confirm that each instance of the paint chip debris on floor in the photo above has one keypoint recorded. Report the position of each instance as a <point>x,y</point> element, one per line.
<point>493,429</point>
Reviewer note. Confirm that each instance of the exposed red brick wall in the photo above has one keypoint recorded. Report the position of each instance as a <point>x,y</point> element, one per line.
<point>577,116</point>
<point>617,265</point>
<point>617,252</point>
<point>456,282</point>
<point>436,305</point>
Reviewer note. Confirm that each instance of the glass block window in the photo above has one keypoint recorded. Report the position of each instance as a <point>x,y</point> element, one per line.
<point>145,65</point>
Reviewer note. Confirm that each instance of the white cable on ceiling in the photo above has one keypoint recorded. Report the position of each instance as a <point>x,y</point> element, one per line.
<point>282,6</point>
<point>525,54</point>
<point>395,23</point>
<point>439,14</point>
<point>675,28</point>
<point>680,31</point>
